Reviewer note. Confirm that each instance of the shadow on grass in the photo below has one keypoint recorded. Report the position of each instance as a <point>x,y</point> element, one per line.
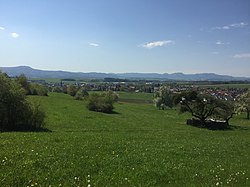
<point>113,112</point>
<point>208,124</point>
<point>26,130</point>
<point>229,128</point>
<point>211,128</point>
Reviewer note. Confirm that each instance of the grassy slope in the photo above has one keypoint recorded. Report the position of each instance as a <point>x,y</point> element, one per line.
<point>138,146</point>
<point>133,97</point>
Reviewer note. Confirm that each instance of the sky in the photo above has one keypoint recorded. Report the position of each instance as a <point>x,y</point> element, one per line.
<point>115,36</point>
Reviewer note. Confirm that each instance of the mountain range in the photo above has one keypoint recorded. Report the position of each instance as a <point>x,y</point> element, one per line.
<point>36,73</point>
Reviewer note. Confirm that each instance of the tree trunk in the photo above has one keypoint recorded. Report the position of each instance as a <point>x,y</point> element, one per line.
<point>248,112</point>
<point>230,117</point>
<point>203,121</point>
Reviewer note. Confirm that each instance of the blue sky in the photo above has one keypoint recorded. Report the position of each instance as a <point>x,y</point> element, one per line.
<point>190,36</point>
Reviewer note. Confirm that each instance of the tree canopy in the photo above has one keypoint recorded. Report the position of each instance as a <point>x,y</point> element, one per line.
<point>163,98</point>
<point>244,103</point>
<point>203,106</point>
<point>16,113</point>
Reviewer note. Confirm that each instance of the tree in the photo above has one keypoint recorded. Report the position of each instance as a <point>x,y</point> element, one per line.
<point>225,111</point>
<point>31,88</point>
<point>163,98</point>
<point>72,89</point>
<point>16,113</point>
<point>243,104</point>
<point>201,106</point>
<point>37,89</point>
<point>23,81</point>
<point>112,96</point>
<point>65,89</point>
<point>81,94</point>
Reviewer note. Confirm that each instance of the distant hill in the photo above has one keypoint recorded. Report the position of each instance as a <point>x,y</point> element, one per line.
<point>35,73</point>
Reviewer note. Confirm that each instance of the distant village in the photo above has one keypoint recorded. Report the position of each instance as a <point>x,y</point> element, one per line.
<point>226,93</point>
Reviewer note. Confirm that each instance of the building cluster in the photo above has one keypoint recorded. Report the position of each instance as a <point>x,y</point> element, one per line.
<point>150,87</point>
<point>229,94</point>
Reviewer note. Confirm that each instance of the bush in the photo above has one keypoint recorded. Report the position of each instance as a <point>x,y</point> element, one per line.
<point>81,94</point>
<point>31,88</point>
<point>112,96</point>
<point>57,89</point>
<point>23,81</point>
<point>65,90</point>
<point>16,113</point>
<point>37,89</point>
<point>101,102</point>
<point>72,90</point>
<point>37,116</point>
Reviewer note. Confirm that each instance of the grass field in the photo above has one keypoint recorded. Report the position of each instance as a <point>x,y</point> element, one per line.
<point>136,146</point>
<point>133,97</point>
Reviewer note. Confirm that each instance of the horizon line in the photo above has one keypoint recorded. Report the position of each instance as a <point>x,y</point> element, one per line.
<point>197,73</point>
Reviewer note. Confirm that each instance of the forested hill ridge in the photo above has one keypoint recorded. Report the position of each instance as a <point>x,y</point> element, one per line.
<point>36,73</point>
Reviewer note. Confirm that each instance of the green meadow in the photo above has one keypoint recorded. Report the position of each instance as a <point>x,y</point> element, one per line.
<point>137,145</point>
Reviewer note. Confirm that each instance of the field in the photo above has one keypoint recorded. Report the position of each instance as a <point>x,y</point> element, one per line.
<point>139,98</point>
<point>137,145</point>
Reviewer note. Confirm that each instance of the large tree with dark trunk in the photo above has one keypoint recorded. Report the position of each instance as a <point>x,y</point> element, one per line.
<point>203,106</point>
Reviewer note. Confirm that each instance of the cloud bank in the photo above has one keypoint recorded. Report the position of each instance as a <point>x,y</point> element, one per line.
<point>231,26</point>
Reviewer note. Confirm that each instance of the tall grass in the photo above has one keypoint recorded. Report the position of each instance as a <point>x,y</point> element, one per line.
<point>137,146</point>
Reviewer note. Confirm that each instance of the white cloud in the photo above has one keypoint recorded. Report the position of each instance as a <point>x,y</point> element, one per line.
<point>154,44</point>
<point>2,28</point>
<point>237,25</point>
<point>231,26</point>
<point>221,43</point>
<point>94,44</point>
<point>225,27</point>
<point>242,55</point>
<point>14,35</point>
